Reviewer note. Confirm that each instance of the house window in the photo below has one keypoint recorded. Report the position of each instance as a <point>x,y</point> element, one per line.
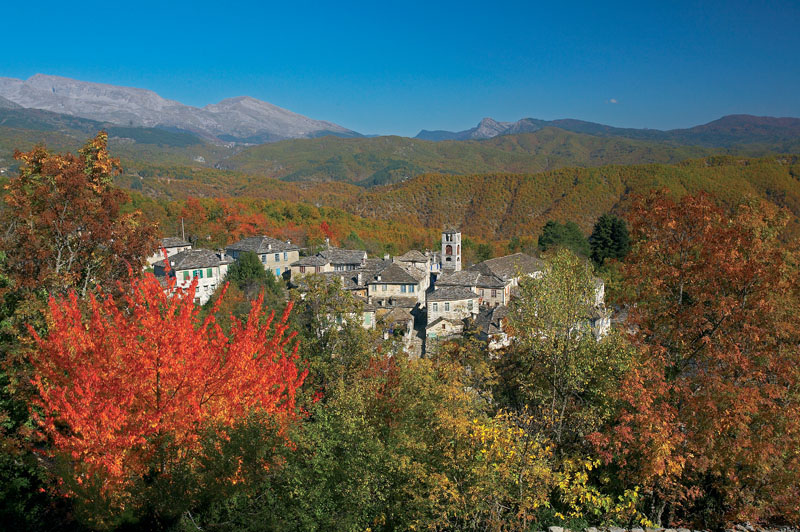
<point>367,318</point>
<point>447,306</point>
<point>482,292</point>
<point>277,271</point>
<point>469,305</point>
<point>383,288</point>
<point>302,269</point>
<point>198,274</point>
<point>285,256</point>
<point>263,258</point>
<point>494,293</point>
<point>277,257</point>
<point>436,307</point>
<point>403,288</point>
<point>316,269</point>
<point>411,288</point>
<point>209,273</point>
<point>186,276</point>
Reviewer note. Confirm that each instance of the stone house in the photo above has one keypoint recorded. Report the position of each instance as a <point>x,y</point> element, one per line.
<point>208,267</point>
<point>443,328</point>
<point>398,282</point>
<point>330,260</point>
<point>172,245</point>
<point>491,327</point>
<point>414,258</point>
<point>452,302</point>
<point>276,255</point>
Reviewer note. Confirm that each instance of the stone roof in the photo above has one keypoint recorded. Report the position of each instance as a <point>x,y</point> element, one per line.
<point>440,319</point>
<point>174,242</point>
<point>451,293</point>
<point>489,320</point>
<point>373,266</point>
<point>344,256</point>
<point>261,244</point>
<point>510,266</point>
<point>412,256</point>
<point>450,230</point>
<point>314,260</point>
<point>462,278</point>
<point>349,279</point>
<point>194,258</point>
<point>397,314</point>
<point>394,301</point>
<point>397,274</point>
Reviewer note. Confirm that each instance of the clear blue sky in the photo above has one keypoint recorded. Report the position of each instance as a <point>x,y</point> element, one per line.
<point>397,67</point>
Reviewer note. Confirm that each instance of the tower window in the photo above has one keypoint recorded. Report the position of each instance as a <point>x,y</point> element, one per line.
<point>448,249</point>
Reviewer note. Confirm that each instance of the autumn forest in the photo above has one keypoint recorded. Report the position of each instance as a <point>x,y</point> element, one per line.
<point>126,406</point>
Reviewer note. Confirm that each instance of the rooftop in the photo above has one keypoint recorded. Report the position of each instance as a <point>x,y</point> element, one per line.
<point>344,256</point>
<point>262,244</point>
<point>174,242</point>
<point>510,266</point>
<point>194,258</point>
<point>451,293</point>
<point>397,274</point>
<point>412,256</point>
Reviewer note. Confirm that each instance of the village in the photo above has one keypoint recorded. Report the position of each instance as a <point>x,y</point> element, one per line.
<point>421,298</point>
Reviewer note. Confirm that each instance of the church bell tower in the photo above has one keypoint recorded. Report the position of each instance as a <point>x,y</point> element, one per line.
<point>451,250</point>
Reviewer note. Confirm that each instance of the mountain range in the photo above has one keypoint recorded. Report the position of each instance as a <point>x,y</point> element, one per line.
<point>242,119</point>
<point>726,132</point>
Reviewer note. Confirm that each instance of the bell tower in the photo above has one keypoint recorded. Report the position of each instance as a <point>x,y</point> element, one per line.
<point>451,250</point>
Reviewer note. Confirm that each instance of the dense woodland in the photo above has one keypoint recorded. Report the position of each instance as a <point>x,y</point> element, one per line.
<point>124,406</point>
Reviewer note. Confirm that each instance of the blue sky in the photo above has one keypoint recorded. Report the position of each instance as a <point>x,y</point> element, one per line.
<point>398,67</point>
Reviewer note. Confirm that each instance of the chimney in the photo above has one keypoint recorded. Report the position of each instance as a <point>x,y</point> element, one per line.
<point>360,279</point>
<point>289,241</point>
<point>221,254</point>
<point>328,242</point>
<point>269,247</point>
<point>378,277</point>
<point>385,256</point>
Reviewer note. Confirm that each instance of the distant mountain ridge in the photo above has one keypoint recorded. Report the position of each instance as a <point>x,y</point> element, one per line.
<point>725,132</point>
<point>243,119</point>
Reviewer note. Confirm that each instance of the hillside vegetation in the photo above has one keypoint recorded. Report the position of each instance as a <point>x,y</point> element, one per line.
<point>382,160</point>
<point>501,205</point>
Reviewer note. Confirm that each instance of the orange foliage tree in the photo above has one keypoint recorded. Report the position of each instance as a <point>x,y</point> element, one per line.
<point>64,224</point>
<point>127,389</point>
<point>711,412</point>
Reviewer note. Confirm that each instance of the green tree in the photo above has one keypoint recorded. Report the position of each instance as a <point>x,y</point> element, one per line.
<point>609,239</point>
<point>556,366</point>
<point>568,235</point>
<point>247,269</point>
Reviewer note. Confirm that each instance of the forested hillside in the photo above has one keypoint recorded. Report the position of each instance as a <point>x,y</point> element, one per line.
<point>381,160</point>
<point>500,206</point>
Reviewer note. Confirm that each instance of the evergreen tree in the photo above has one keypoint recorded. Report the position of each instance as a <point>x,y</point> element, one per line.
<point>247,270</point>
<point>568,235</point>
<point>609,239</point>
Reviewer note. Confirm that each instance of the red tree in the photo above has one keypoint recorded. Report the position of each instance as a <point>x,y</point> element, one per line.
<point>127,389</point>
<point>711,413</point>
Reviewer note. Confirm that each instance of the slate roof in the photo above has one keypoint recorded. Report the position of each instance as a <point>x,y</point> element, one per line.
<point>262,244</point>
<point>173,242</point>
<point>508,267</point>
<point>194,258</point>
<point>450,230</point>
<point>396,274</point>
<point>451,293</point>
<point>440,319</point>
<point>397,314</point>
<point>412,256</point>
<point>344,256</point>
<point>314,260</point>
<point>374,266</point>
<point>489,321</point>
<point>462,278</point>
<point>349,279</point>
